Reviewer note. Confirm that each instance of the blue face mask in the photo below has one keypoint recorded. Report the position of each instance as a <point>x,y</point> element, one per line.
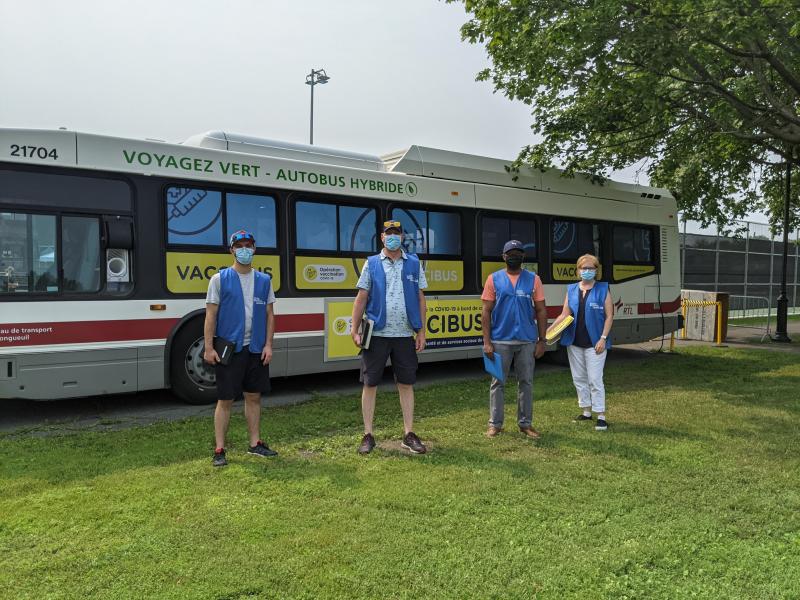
<point>244,256</point>
<point>392,241</point>
<point>588,274</point>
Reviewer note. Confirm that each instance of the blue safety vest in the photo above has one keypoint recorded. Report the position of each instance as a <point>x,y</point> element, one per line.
<point>376,303</point>
<point>513,317</point>
<point>594,312</point>
<point>230,318</point>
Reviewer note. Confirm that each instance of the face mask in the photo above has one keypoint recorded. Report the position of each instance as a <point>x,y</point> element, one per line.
<point>244,256</point>
<point>588,274</point>
<point>514,262</point>
<point>392,241</point>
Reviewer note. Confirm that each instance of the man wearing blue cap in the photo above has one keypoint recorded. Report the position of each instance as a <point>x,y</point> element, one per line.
<point>239,313</point>
<point>510,329</point>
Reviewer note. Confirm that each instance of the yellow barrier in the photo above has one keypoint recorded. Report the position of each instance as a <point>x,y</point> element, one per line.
<point>703,303</point>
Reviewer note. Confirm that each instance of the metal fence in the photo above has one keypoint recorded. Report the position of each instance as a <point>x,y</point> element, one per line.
<point>746,262</point>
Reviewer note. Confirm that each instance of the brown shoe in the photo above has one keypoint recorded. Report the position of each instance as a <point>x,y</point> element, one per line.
<point>493,431</point>
<point>530,432</point>
<point>367,444</point>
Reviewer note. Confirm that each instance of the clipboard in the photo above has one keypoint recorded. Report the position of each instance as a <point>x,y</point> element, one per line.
<point>494,366</point>
<point>224,349</point>
<point>365,329</point>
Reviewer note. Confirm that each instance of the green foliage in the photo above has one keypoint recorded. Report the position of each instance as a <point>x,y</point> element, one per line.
<point>702,93</point>
<point>691,493</point>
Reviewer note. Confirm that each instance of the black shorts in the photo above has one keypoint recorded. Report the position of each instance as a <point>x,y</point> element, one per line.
<point>404,360</point>
<point>244,373</point>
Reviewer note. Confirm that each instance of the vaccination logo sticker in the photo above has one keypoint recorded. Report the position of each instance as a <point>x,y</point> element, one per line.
<point>321,272</point>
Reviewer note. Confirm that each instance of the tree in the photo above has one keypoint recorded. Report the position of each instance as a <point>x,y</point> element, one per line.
<point>701,94</point>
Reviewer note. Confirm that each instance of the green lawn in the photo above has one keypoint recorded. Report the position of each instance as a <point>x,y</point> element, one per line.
<point>761,321</point>
<point>694,491</point>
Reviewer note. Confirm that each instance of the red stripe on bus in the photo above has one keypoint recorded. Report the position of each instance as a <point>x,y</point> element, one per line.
<point>649,308</point>
<point>87,332</point>
<point>84,332</point>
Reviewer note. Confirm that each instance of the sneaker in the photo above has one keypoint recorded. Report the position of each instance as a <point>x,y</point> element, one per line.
<point>367,444</point>
<point>530,432</point>
<point>413,444</point>
<point>601,425</point>
<point>493,431</point>
<point>582,417</point>
<point>261,449</point>
<point>219,459</point>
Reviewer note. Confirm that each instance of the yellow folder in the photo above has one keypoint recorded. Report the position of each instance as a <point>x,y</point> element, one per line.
<point>554,332</point>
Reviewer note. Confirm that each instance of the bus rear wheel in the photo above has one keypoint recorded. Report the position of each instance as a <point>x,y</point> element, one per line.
<point>193,380</point>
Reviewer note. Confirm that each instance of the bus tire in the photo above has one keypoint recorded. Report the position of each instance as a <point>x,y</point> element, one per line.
<point>192,379</point>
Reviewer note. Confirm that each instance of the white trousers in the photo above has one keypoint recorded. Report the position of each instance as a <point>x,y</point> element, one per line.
<point>587,375</point>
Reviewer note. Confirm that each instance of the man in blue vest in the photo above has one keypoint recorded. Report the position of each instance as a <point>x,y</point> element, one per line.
<point>239,312</point>
<point>390,292</point>
<point>511,330</point>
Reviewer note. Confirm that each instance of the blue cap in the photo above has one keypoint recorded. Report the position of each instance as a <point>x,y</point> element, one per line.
<point>513,245</point>
<point>241,235</point>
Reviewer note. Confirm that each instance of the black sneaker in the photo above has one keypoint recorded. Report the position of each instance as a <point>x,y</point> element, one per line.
<point>367,444</point>
<point>413,444</point>
<point>582,417</point>
<point>601,425</point>
<point>219,459</point>
<point>261,449</point>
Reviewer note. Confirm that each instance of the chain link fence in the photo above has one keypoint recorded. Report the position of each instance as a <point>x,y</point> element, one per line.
<point>745,262</point>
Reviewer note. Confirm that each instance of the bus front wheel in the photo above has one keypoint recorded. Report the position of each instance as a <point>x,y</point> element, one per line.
<point>193,380</point>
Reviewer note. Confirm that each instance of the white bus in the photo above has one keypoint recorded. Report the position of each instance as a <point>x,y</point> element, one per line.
<point>107,246</point>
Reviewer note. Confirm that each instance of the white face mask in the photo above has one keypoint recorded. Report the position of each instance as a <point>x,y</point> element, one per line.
<point>244,256</point>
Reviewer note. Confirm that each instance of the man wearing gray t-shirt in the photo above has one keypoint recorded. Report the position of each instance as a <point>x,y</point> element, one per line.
<point>240,325</point>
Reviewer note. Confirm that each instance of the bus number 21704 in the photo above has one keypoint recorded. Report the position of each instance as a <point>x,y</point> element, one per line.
<point>34,152</point>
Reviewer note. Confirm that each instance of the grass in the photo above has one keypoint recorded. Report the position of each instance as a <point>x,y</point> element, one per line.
<point>761,321</point>
<point>692,492</point>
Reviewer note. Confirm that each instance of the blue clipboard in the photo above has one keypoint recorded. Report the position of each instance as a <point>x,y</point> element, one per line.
<point>494,367</point>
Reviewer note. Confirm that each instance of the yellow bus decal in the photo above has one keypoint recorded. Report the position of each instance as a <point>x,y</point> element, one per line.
<point>568,272</point>
<point>189,272</point>
<point>623,272</point>
<point>444,275</point>
<point>487,268</point>
<point>449,323</point>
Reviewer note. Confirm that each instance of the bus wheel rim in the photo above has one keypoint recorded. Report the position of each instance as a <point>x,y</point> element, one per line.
<point>198,370</point>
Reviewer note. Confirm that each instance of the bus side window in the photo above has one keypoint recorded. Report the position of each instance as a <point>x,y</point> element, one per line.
<point>194,216</point>
<point>28,253</point>
<point>253,213</point>
<point>496,231</point>
<point>80,245</point>
<point>335,227</point>
<point>429,232</point>
<point>573,239</point>
<point>633,245</point>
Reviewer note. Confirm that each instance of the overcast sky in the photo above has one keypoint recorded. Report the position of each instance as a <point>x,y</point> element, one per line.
<point>168,69</point>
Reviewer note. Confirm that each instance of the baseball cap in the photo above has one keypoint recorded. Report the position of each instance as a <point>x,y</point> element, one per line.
<point>241,235</point>
<point>392,225</point>
<point>513,245</point>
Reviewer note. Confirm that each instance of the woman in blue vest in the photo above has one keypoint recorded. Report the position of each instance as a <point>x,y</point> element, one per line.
<point>239,314</point>
<point>589,303</point>
<point>390,295</point>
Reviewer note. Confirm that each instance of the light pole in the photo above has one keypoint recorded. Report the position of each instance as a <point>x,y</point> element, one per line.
<point>781,328</point>
<point>315,77</point>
